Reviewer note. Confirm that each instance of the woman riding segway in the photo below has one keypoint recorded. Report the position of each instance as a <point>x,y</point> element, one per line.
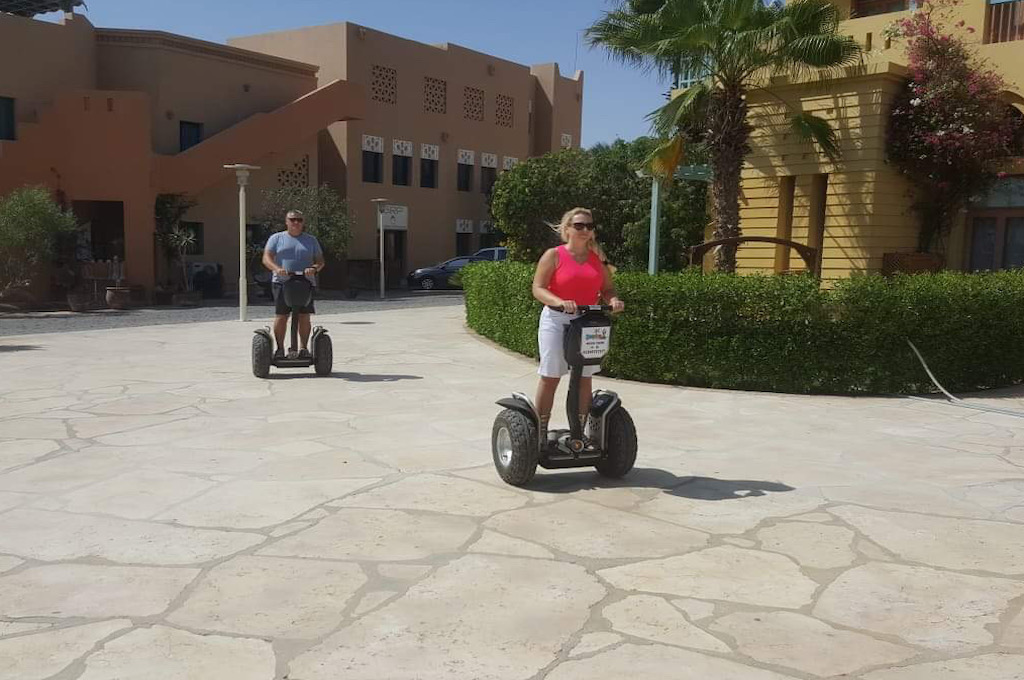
<point>574,332</point>
<point>575,273</point>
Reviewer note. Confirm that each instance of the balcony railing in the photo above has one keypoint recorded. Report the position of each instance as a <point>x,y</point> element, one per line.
<point>867,8</point>
<point>1005,21</point>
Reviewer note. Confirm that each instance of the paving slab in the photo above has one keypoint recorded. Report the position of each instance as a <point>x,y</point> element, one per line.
<point>168,515</point>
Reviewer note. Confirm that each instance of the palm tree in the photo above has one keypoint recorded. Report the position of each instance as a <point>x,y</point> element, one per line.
<point>736,46</point>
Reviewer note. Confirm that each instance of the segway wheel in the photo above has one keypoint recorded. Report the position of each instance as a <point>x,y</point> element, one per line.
<point>514,446</point>
<point>324,352</point>
<point>620,446</point>
<point>262,354</point>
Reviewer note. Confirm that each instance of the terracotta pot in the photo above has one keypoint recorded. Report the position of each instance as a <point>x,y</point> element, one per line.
<point>79,302</point>
<point>190,299</point>
<point>119,297</point>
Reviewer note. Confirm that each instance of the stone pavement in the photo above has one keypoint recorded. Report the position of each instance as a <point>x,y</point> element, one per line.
<point>165,515</point>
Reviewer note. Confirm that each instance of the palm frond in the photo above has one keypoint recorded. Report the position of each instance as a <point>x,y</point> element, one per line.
<point>815,129</point>
<point>688,107</point>
<point>666,157</point>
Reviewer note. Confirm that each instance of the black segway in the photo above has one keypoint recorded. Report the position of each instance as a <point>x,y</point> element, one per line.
<point>607,441</point>
<point>298,293</point>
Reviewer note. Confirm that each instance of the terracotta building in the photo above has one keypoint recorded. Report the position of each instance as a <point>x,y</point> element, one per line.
<point>441,123</point>
<point>858,210</point>
<point>109,119</point>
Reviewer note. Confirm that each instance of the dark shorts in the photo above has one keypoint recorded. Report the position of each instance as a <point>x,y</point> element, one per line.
<point>281,309</point>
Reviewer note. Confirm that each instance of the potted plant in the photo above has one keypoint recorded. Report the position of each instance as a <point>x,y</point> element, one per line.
<point>182,240</point>
<point>118,296</point>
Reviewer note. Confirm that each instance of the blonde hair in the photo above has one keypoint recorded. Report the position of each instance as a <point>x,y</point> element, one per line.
<point>563,230</point>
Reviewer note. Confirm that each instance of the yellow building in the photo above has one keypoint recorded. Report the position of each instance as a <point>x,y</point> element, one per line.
<point>858,209</point>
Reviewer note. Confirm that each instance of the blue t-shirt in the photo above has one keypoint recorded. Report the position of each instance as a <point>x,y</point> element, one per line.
<point>294,253</point>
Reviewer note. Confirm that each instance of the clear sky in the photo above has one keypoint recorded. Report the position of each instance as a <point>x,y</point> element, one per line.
<point>616,98</point>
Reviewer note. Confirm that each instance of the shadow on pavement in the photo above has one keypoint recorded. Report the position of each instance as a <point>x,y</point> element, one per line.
<point>18,348</point>
<point>699,488</point>
<point>350,377</point>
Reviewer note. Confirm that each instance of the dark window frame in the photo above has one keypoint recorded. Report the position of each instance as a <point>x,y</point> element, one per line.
<point>401,170</point>
<point>373,167</point>
<point>488,176</point>
<point>429,173</point>
<point>464,177</point>
<point>187,141</point>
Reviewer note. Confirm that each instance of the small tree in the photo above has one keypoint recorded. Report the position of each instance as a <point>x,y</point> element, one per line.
<point>182,240</point>
<point>326,214</point>
<point>31,225</point>
<point>949,128</point>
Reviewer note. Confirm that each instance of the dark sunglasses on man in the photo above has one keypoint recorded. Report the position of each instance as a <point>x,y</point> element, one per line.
<point>295,219</point>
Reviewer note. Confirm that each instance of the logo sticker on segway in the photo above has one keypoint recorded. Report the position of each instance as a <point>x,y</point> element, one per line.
<point>594,342</point>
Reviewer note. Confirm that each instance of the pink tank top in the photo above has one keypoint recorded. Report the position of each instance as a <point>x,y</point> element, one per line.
<point>580,283</point>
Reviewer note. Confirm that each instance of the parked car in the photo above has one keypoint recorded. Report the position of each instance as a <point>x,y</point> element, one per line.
<point>493,254</point>
<point>439,276</point>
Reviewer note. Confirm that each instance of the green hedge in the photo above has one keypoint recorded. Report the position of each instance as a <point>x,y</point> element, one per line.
<point>784,333</point>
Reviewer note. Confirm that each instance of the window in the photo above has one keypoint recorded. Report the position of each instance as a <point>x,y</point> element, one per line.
<point>196,228</point>
<point>428,173</point>
<point>7,118</point>
<point>189,134</point>
<point>401,171</point>
<point>465,178</point>
<point>997,240</point>
<point>373,166</point>
<point>487,178</point>
<point>463,244</point>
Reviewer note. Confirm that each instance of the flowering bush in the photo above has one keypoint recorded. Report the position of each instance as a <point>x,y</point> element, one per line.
<point>948,128</point>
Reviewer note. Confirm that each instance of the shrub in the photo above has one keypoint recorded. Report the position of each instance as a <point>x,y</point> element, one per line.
<point>31,225</point>
<point>785,334</point>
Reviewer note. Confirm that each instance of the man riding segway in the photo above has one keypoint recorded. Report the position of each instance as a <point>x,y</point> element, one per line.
<point>295,258</point>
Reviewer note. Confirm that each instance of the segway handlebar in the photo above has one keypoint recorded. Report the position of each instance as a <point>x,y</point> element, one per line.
<point>583,309</point>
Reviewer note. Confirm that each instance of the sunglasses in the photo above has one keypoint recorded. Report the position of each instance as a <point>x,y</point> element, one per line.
<point>295,219</point>
<point>580,226</point>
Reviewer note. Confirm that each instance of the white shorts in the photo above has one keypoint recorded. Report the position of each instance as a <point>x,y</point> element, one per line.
<point>550,334</point>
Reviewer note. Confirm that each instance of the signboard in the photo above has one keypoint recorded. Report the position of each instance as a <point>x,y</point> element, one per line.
<point>394,217</point>
<point>595,341</point>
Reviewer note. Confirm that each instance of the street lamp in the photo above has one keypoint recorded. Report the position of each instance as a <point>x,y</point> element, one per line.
<point>242,175</point>
<point>380,228</point>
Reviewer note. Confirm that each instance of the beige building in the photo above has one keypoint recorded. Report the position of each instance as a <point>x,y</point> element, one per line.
<point>442,122</point>
<point>109,119</point>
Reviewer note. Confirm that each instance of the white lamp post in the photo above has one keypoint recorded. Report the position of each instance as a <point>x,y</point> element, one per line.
<point>652,246</point>
<point>242,175</point>
<point>380,228</point>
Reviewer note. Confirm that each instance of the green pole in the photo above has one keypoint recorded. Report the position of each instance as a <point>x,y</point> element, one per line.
<point>652,253</point>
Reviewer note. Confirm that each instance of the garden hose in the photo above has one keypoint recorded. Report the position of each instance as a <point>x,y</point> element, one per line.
<point>954,400</point>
